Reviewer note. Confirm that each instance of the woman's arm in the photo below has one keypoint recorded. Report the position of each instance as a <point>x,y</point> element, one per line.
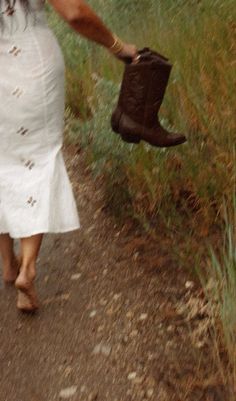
<point>85,21</point>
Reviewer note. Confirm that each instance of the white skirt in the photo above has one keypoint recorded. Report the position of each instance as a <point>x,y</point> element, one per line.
<point>35,193</point>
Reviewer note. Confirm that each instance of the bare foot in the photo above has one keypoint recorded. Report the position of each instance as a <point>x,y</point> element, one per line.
<point>27,297</point>
<point>27,302</point>
<point>11,272</point>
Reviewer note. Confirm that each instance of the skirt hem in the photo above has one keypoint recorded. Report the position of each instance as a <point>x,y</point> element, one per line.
<point>42,231</point>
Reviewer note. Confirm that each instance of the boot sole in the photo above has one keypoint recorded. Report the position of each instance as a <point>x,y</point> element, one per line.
<point>130,138</point>
<point>124,127</point>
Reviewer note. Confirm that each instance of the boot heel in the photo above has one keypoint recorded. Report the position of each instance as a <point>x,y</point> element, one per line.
<point>115,119</point>
<point>115,124</point>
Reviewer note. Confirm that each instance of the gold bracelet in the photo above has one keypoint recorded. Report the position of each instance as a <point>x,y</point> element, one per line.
<point>117,45</point>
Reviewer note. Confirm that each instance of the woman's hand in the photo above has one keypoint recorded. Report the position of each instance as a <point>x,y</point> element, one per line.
<point>129,53</point>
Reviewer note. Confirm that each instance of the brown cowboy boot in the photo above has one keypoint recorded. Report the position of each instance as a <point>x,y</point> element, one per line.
<point>141,95</point>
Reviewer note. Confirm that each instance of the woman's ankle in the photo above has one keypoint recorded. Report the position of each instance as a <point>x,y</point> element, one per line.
<point>10,269</point>
<point>28,271</point>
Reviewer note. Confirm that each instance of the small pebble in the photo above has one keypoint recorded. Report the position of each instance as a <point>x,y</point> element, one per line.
<point>110,311</point>
<point>93,396</point>
<point>67,371</point>
<point>189,285</point>
<point>100,328</point>
<point>143,316</point>
<point>129,314</point>
<point>97,349</point>
<point>103,302</point>
<point>76,276</point>
<point>116,297</point>
<point>106,350</point>
<point>133,333</point>
<point>150,392</point>
<point>136,255</point>
<point>64,297</point>
<point>170,329</point>
<point>132,375</point>
<point>125,339</point>
<point>68,392</point>
<point>93,313</point>
<point>83,389</point>
<point>200,344</point>
<point>88,231</point>
<point>103,349</point>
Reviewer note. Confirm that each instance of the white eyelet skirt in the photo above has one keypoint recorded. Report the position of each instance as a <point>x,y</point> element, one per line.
<point>36,195</point>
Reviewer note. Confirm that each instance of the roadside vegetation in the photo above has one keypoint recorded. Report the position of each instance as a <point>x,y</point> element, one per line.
<point>186,193</point>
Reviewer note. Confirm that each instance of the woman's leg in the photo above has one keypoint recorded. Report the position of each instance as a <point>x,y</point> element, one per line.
<point>27,297</point>
<point>9,260</point>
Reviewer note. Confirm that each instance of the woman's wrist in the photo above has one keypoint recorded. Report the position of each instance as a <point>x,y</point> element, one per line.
<point>117,45</point>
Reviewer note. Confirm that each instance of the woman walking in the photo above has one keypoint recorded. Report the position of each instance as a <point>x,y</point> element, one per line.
<point>35,193</point>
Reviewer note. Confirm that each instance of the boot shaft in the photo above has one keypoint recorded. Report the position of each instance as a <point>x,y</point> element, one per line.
<point>143,87</point>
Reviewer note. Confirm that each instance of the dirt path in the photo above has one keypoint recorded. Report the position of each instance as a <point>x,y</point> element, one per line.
<point>107,329</point>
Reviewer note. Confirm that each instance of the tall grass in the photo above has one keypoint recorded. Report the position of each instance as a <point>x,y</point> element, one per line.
<point>219,283</point>
<point>163,188</point>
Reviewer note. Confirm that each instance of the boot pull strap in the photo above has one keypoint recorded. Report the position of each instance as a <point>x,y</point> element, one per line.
<point>146,54</point>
